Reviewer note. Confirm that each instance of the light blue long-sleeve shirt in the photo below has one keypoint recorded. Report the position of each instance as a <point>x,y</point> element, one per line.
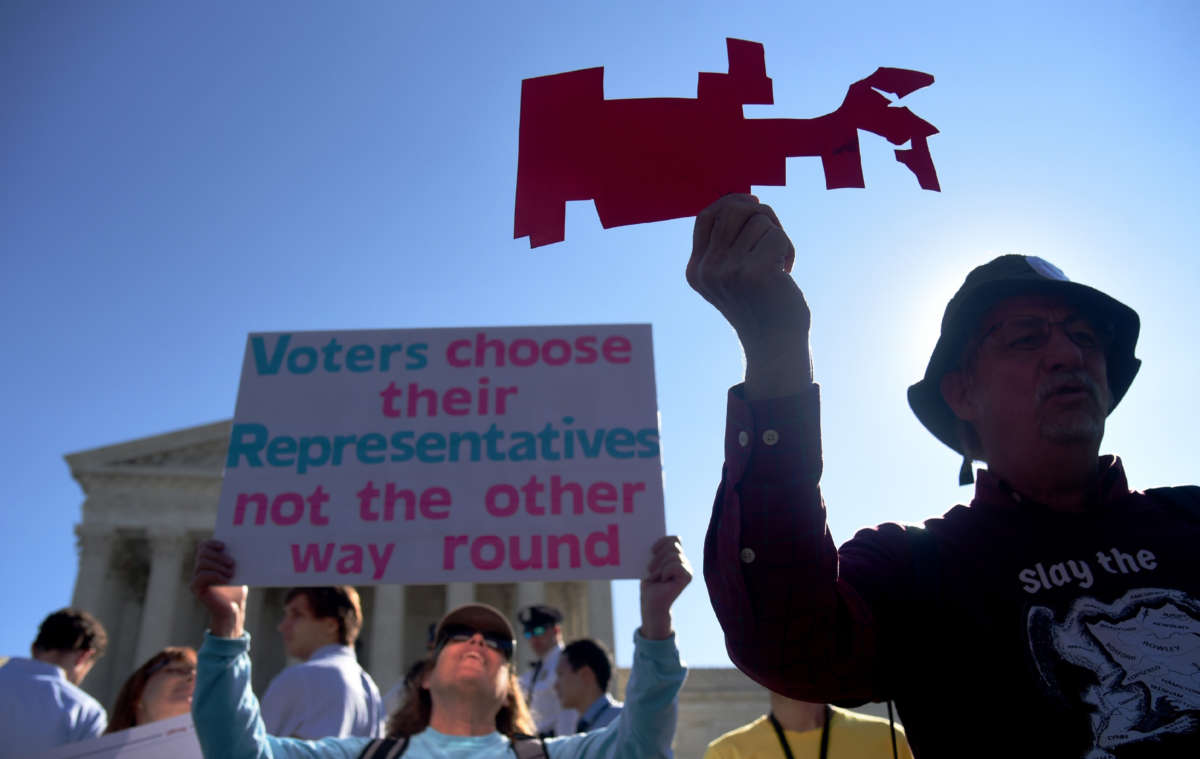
<point>40,709</point>
<point>229,725</point>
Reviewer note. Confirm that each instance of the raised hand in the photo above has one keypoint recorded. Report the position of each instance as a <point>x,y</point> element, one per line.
<point>741,262</point>
<point>211,578</point>
<point>667,574</point>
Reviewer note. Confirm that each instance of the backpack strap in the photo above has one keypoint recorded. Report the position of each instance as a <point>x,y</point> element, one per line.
<point>385,748</point>
<point>528,746</point>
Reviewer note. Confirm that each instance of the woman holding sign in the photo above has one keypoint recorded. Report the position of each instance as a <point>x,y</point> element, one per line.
<point>475,708</point>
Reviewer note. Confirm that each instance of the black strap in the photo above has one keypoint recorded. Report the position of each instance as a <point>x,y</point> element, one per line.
<point>528,746</point>
<point>524,746</point>
<point>385,748</point>
<point>787,750</point>
<point>892,725</point>
<point>537,669</point>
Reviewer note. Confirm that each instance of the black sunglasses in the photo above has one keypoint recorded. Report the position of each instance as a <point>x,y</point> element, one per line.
<point>463,633</point>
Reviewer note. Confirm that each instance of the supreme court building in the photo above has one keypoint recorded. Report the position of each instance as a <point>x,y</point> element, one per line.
<point>148,502</point>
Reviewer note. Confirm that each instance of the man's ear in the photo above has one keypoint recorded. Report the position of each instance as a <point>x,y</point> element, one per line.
<point>589,676</point>
<point>331,628</point>
<point>956,391</point>
<point>84,656</point>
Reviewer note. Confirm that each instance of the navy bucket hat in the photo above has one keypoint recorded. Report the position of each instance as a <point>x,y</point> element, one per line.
<point>985,286</point>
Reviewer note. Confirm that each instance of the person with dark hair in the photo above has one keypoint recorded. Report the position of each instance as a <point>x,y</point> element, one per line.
<point>542,627</point>
<point>41,703</point>
<point>581,682</point>
<point>463,702</point>
<point>1058,602</point>
<point>159,689</point>
<point>328,693</point>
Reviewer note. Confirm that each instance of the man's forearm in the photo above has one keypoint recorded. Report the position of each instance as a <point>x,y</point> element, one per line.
<point>780,370</point>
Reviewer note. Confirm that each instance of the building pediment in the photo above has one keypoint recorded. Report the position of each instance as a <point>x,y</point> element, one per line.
<point>185,459</point>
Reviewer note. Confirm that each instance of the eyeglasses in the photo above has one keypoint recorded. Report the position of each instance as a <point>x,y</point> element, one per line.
<point>531,632</point>
<point>177,669</point>
<point>1031,333</point>
<point>463,633</point>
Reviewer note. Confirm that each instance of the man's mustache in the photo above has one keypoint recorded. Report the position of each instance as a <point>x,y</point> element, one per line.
<point>1076,379</point>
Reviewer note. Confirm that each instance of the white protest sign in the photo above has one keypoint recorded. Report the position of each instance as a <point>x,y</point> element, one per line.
<point>174,737</point>
<point>491,454</point>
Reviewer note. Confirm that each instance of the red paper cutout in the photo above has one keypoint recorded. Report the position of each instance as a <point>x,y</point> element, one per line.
<point>652,159</point>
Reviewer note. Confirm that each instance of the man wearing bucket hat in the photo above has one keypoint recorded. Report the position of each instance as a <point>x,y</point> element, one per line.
<point>1058,600</point>
<point>465,701</point>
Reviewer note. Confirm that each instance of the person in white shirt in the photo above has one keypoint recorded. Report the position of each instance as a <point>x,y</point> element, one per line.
<point>328,694</point>
<point>41,703</point>
<point>543,631</point>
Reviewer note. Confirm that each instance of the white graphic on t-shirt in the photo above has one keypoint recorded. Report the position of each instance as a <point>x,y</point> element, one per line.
<point>1144,650</point>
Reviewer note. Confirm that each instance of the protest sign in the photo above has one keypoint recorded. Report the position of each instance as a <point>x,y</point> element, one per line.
<point>174,737</point>
<point>440,455</point>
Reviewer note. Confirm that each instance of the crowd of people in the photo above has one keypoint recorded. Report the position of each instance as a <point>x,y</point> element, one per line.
<point>1054,615</point>
<point>462,699</point>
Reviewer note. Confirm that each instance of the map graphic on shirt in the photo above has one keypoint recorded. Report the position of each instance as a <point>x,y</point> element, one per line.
<point>1144,651</point>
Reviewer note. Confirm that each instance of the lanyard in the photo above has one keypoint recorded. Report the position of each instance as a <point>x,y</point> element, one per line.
<point>787,751</point>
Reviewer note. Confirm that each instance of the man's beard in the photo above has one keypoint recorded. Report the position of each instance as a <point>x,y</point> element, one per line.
<point>1083,423</point>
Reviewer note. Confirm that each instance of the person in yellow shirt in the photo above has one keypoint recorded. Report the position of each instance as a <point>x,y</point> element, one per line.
<point>802,730</point>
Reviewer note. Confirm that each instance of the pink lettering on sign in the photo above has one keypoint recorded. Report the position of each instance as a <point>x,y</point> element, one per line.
<point>525,352</point>
<point>402,503</point>
<point>504,500</point>
<point>318,558</point>
<point>489,552</point>
<point>415,401</point>
<point>284,509</point>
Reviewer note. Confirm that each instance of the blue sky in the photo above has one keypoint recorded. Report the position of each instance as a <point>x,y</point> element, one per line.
<point>177,175</point>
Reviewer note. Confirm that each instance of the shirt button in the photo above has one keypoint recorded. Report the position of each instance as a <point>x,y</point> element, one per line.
<point>743,438</point>
<point>747,555</point>
<point>770,437</point>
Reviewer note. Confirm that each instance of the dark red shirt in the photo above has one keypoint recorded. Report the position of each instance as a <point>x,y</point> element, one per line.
<point>1002,628</point>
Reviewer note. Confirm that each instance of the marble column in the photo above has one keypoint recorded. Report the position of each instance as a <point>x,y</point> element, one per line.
<point>459,593</point>
<point>599,612</point>
<point>387,636</point>
<point>92,591</point>
<point>97,592</point>
<point>162,591</point>
<point>529,593</point>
